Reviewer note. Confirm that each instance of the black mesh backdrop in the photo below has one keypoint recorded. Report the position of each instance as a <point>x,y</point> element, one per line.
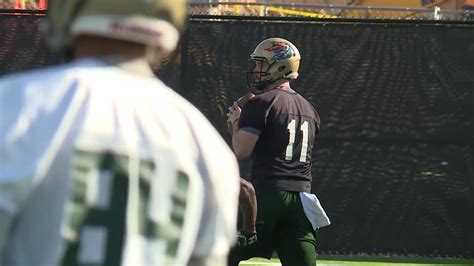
<point>21,46</point>
<point>394,164</point>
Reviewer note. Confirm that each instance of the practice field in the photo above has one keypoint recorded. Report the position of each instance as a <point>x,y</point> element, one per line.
<point>372,261</point>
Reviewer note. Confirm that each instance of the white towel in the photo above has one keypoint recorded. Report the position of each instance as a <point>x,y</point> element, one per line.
<point>314,211</point>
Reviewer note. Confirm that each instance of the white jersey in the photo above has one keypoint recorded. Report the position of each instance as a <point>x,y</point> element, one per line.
<point>102,166</point>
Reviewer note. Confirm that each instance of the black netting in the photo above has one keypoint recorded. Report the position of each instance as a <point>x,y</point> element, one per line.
<point>21,45</point>
<point>394,164</point>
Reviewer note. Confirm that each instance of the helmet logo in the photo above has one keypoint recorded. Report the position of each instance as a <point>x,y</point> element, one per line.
<point>280,51</point>
<point>124,28</point>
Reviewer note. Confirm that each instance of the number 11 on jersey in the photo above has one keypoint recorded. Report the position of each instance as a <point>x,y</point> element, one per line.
<point>292,136</point>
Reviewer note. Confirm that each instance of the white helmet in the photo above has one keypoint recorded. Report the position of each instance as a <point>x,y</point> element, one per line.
<point>155,23</point>
<point>282,59</point>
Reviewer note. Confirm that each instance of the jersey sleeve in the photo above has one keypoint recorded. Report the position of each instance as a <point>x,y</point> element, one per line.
<point>253,116</point>
<point>17,159</point>
<point>29,118</point>
<point>16,181</point>
<point>219,170</point>
<point>5,221</point>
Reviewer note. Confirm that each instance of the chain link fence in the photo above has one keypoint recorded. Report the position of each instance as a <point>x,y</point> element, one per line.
<point>324,11</point>
<point>328,11</point>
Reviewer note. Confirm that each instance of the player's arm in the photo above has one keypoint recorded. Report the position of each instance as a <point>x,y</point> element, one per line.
<point>246,127</point>
<point>243,142</point>
<point>248,206</point>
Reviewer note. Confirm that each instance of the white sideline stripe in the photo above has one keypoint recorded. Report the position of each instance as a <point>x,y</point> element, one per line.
<point>258,262</point>
<point>274,263</point>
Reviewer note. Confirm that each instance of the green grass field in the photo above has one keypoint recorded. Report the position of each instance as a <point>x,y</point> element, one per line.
<point>371,261</point>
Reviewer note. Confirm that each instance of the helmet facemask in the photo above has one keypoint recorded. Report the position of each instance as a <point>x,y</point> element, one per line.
<point>257,74</point>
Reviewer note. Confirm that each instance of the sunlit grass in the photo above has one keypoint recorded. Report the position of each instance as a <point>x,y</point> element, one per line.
<point>372,261</point>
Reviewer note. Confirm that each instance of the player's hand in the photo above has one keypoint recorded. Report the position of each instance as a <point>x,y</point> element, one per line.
<point>234,113</point>
<point>245,240</point>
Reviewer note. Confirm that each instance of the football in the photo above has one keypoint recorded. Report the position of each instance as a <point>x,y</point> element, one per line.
<point>242,101</point>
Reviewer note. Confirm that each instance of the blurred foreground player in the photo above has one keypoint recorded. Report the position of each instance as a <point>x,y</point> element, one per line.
<point>100,162</point>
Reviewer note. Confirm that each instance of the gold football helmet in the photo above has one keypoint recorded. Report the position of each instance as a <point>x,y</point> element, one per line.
<point>155,23</point>
<point>272,60</point>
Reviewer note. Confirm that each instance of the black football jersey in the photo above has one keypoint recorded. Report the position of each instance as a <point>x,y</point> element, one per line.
<point>287,125</point>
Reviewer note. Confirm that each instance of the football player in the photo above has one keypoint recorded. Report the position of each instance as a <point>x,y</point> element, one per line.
<point>278,128</point>
<point>103,164</point>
